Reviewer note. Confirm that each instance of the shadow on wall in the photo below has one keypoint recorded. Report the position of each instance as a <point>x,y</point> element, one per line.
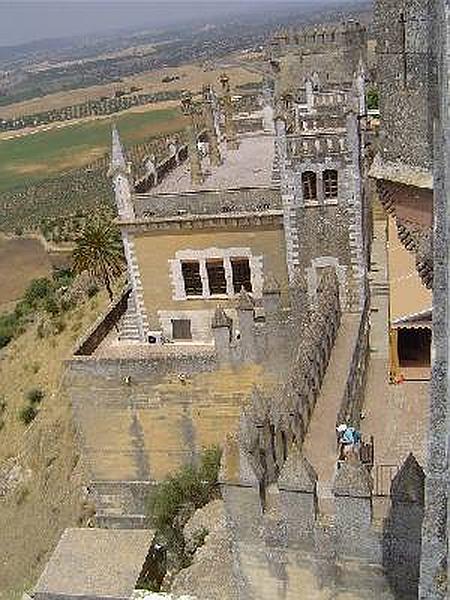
<point>402,530</point>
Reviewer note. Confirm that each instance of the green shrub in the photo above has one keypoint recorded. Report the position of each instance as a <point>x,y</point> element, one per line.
<point>38,290</point>
<point>92,290</point>
<point>9,326</point>
<point>35,396</point>
<point>51,306</point>
<point>373,101</point>
<point>4,339</point>
<point>27,414</point>
<point>175,499</point>
<point>191,485</point>
<point>63,277</point>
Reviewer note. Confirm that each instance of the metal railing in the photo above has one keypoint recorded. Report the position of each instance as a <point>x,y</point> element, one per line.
<point>383,476</point>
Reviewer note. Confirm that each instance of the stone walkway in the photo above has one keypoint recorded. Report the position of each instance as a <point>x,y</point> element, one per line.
<point>320,442</point>
<point>396,415</point>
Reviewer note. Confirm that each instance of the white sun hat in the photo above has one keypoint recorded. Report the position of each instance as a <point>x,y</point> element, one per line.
<point>341,428</point>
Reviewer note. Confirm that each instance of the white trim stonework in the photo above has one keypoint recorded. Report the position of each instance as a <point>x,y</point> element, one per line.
<point>226,254</point>
<point>136,284</point>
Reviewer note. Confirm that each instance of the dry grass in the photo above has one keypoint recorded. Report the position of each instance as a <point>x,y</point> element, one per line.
<point>34,515</point>
<point>21,260</point>
<point>192,77</point>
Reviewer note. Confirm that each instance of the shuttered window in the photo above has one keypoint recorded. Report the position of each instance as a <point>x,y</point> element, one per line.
<point>216,276</point>
<point>192,280</point>
<point>241,274</point>
<point>181,329</point>
<point>309,184</point>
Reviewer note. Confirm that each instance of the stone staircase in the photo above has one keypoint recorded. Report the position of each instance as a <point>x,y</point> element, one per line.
<point>128,327</point>
<point>378,211</point>
<point>120,504</point>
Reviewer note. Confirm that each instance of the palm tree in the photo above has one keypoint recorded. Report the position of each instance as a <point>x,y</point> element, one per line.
<point>99,252</point>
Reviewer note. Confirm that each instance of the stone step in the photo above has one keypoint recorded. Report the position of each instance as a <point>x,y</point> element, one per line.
<point>124,521</point>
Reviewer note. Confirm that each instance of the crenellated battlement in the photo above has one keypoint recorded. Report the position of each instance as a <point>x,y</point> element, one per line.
<point>319,38</point>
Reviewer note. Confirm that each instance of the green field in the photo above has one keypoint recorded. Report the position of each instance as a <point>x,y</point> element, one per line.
<point>32,158</point>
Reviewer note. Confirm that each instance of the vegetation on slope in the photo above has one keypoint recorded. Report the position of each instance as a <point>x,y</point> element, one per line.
<point>43,295</point>
<point>46,496</point>
<point>174,501</point>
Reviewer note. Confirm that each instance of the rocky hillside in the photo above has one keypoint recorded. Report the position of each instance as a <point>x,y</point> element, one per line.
<point>41,477</point>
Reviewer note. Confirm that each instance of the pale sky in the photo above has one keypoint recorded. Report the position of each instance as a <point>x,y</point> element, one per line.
<point>27,20</point>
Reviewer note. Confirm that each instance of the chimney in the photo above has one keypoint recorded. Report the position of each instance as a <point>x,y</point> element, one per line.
<point>245,308</point>
<point>221,327</point>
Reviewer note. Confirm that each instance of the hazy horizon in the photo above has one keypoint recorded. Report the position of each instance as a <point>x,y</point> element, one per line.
<point>23,22</point>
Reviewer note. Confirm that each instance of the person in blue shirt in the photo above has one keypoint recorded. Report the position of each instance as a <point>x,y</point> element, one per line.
<point>349,440</point>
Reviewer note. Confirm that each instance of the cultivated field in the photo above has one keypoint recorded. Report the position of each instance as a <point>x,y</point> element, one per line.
<point>191,77</point>
<point>28,159</point>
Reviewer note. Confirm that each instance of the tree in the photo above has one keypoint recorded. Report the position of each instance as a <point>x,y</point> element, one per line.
<point>99,252</point>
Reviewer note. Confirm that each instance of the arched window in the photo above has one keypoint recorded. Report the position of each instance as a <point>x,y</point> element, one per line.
<point>309,185</point>
<point>330,184</point>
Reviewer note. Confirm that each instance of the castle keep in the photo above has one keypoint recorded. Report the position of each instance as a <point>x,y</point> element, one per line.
<point>262,311</point>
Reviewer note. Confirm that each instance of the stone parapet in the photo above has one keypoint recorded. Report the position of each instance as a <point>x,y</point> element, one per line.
<point>353,398</point>
<point>87,345</point>
<point>243,199</point>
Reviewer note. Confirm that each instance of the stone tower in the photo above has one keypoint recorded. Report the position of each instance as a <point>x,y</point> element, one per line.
<point>134,324</point>
<point>319,148</point>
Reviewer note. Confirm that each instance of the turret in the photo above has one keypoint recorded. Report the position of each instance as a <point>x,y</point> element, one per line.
<point>208,110</point>
<point>194,155</point>
<point>120,171</point>
<point>230,129</point>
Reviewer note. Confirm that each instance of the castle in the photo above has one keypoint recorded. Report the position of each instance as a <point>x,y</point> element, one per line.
<point>252,309</point>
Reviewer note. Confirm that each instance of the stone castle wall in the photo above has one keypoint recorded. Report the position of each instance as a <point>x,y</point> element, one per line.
<point>207,203</point>
<point>406,79</point>
<point>435,566</point>
<point>346,551</point>
<point>270,425</point>
<point>353,399</point>
<point>331,53</point>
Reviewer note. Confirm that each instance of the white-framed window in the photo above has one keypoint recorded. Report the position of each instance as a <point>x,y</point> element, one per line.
<point>215,273</point>
<point>330,184</point>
